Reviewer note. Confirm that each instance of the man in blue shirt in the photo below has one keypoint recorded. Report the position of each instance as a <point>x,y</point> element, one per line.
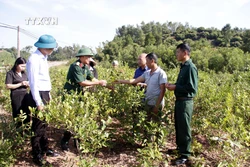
<point>141,69</point>
<point>142,65</point>
<point>141,61</point>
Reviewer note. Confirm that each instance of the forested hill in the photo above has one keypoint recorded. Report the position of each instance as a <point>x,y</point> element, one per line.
<point>213,49</point>
<point>169,33</point>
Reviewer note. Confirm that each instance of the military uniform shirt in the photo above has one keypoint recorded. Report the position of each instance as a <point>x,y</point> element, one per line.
<point>187,81</point>
<point>77,73</point>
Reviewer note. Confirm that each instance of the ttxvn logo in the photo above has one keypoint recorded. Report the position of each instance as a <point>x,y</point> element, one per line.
<point>41,21</point>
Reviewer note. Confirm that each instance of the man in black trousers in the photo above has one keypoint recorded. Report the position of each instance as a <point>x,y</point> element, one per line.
<point>40,86</point>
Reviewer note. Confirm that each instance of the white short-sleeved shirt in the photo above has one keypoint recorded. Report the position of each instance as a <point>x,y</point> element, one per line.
<point>153,82</point>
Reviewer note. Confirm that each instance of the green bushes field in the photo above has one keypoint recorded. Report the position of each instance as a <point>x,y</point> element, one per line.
<point>220,122</point>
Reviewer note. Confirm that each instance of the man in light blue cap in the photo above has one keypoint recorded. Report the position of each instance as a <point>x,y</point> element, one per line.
<point>40,86</point>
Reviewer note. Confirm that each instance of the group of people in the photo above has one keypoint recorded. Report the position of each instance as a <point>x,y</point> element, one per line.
<point>149,74</point>
<point>82,73</point>
<point>38,80</point>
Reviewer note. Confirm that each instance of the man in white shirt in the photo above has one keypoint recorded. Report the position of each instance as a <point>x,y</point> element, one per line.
<point>155,79</point>
<point>40,86</point>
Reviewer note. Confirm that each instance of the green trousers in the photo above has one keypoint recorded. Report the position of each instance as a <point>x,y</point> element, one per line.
<point>183,115</point>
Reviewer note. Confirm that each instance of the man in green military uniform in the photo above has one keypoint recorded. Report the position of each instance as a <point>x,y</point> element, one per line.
<point>79,77</point>
<point>185,90</point>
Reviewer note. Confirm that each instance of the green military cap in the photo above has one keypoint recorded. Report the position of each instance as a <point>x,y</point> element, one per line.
<point>85,52</point>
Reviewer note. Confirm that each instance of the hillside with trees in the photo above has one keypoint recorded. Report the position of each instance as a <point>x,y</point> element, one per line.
<point>212,49</point>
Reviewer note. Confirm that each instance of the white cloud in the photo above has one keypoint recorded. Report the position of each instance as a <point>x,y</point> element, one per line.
<point>220,14</point>
<point>58,7</point>
<point>132,14</point>
<point>36,1</point>
<point>239,3</point>
<point>20,6</point>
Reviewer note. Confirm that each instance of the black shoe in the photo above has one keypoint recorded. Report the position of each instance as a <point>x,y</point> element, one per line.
<point>181,160</point>
<point>64,145</point>
<point>77,144</point>
<point>172,151</point>
<point>51,153</point>
<point>38,160</point>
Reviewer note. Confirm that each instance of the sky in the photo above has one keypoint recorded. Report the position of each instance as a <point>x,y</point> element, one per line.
<point>91,22</point>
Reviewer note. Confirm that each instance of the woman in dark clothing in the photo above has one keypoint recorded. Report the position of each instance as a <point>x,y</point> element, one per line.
<point>17,82</point>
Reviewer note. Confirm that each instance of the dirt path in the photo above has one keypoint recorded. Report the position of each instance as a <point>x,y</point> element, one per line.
<point>56,63</point>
